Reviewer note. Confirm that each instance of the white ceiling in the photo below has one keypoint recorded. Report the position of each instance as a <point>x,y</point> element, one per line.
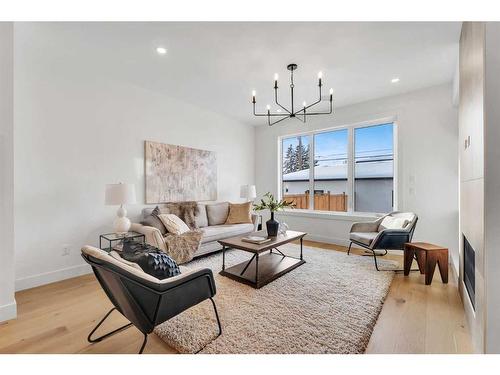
<point>216,65</point>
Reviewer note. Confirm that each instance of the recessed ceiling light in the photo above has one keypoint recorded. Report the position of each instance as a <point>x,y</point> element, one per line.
<point>161,50</point>
<point>395,80</point>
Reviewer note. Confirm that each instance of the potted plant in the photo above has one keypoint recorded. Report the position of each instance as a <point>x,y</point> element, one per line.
<point>272,204</point>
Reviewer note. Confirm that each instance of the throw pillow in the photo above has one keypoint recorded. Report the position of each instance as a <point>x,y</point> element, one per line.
<point>239,213</point>
<point>173,223</point>
<point>151,260</point>
<point>217,213</point>
<point>390,222</point>
<point>154,221</point>
<point>201,217</point>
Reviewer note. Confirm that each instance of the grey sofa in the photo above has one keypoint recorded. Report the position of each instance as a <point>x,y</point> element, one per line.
<point>210,220</point>
<point>372,236</point>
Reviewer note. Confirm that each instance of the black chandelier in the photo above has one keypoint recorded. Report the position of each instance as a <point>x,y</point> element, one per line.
<point>299,114</point>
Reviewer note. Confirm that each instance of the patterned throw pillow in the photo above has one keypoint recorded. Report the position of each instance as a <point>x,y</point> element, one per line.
<point>153,261</point>
<point>173,223</point>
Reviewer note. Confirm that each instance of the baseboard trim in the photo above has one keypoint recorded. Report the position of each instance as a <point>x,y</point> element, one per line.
<point>342,242</point>
<point>8,311</point>
<point>326,239</point>
<point>52,277</point>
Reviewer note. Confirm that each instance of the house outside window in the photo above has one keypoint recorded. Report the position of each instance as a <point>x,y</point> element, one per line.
<point>348,169</point>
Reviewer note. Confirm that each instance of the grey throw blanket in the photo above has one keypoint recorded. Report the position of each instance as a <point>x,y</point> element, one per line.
<point>181,247</point>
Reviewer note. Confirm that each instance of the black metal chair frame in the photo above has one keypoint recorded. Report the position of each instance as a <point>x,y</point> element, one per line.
<point>392,239</point>
<point>146,304</point>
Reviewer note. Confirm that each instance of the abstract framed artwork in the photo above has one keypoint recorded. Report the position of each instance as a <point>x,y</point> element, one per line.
<point>177,173</point>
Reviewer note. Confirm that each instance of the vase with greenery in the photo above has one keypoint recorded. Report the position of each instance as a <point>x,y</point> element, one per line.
<point>272,204</point>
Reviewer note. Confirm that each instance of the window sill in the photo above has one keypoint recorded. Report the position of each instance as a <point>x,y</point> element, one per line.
<point>329,215</point>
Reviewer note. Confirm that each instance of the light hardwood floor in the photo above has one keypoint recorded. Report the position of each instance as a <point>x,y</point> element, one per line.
<point>57,318</point>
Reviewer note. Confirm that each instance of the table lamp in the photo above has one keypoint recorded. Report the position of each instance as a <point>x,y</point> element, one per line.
<point>248,192</point>
<point>118,195</point>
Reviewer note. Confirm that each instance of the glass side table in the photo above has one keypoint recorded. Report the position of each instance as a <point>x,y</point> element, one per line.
<point>117,238</point>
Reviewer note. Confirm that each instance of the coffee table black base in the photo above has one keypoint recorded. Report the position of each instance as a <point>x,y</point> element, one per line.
<point>270,266</point>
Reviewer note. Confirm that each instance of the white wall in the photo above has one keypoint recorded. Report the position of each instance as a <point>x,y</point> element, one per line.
<point>7,301</point>
<point>472,205</point>
<point>75,131</point>
<point>492,186</point>
<point>427,169</point>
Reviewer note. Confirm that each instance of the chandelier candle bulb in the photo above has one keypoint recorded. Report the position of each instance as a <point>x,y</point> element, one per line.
<point>331,94</point>
<point>253,96</point>
<point>320,75</point>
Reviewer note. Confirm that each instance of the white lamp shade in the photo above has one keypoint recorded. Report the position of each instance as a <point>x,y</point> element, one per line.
<point>248,191</point>
<point>118,194</point>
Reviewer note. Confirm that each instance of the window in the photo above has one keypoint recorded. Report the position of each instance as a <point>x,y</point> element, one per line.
<point>295,175</point>
<point>373,169</point>
<point>330,171</point>
<point>320,171</point>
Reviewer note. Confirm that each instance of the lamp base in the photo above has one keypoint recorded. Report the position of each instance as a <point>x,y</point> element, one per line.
<point>121,224</point>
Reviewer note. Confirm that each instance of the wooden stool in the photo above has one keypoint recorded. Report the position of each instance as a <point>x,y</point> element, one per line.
<point>427,256</point>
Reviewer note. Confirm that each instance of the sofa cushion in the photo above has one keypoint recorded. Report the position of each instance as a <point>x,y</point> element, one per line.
<point>363,237</point>
<point>219,232</point>
<point>239,213</point>
<point>217,213</point>
<point>201,217</point>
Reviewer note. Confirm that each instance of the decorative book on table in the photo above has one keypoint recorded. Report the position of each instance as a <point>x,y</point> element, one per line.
<point>256,239</point>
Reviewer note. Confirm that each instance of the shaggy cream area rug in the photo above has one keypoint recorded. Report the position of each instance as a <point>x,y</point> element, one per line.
<point>330,304</point>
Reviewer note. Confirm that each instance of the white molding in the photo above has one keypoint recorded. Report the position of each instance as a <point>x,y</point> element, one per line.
<point>327,239</point>
<point>8,312</point>
<point>329,215</point>
<point>52,276</point>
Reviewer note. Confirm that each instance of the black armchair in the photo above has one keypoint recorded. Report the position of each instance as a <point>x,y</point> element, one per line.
<point>143,299</point>
<point>373,236</point>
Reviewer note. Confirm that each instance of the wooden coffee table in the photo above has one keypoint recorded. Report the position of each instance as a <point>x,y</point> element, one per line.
<point>267,263</point>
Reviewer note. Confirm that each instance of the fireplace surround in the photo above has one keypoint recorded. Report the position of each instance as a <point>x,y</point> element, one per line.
<point>469,257</point>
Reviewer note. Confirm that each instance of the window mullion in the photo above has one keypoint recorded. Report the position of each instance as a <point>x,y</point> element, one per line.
<point>311,171</point>
<point>350,169</point>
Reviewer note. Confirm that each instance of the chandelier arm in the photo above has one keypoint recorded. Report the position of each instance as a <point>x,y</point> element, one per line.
<point>311,105</point>
<point>321,113</point>
<point>266,114</point>
<point>317,113</point>
<point>301,120</point>
<point>276,100</point>
<point>275,122</point>
<point>271,115</point>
